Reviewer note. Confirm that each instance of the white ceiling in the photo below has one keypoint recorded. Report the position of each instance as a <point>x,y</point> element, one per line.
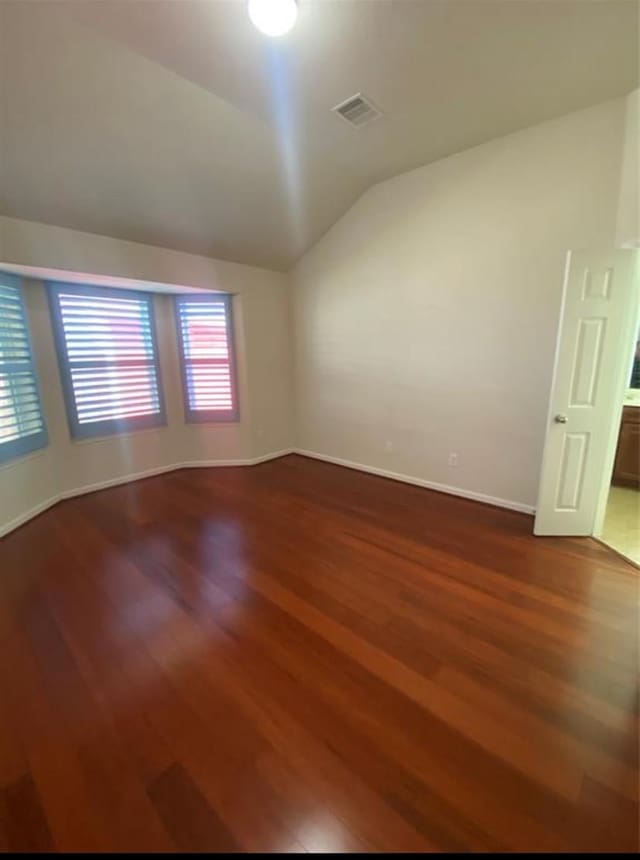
<point>174,122</point>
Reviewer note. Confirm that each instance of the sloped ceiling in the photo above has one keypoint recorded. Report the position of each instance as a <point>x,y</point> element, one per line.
<point>175,123</point>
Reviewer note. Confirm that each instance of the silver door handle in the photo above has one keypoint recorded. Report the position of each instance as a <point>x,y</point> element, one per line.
<point>560,419</point>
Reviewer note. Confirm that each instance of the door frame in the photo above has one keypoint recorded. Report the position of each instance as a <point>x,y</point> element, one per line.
<point>627,345</point>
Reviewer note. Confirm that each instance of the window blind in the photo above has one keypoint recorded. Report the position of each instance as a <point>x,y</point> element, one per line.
<point>22,427</point>
<point>108,359</point>
<point>205,337</point>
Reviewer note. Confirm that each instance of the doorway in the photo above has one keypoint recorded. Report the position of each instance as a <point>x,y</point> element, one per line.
<point>596,337</point>
<point>621,525</point>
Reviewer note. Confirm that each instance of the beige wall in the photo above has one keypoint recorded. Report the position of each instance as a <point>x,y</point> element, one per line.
<point>262,330</point>
<point>628,222</point>
<point>425,319</point>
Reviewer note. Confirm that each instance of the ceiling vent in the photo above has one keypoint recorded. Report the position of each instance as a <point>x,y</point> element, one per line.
<point>357,110</point>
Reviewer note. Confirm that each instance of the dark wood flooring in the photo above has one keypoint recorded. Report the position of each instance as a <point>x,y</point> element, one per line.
<point>299,657</point>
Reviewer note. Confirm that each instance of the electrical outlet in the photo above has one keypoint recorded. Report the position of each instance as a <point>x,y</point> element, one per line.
<point>388,445</point>
<point>453,459</point>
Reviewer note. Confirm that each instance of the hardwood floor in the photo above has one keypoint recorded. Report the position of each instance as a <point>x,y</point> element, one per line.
<point>300,657</point>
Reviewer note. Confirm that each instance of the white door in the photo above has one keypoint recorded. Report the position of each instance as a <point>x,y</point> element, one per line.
<point>597,319</point>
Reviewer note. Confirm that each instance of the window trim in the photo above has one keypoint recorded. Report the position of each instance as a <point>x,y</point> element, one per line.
<point>109,426</point>
<point>24,445</point>
<point>210,416</point>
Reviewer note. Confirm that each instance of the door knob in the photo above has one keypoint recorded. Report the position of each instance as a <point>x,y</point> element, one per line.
<point>560,419</point>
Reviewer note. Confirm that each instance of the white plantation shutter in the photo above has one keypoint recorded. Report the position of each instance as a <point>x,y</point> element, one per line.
<point>205,336</point>
<point>108,359</point>
<point>22,427</point>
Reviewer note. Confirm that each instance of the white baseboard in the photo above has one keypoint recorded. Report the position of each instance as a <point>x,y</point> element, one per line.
<point>420,482</point>
<point>114,482</point>
<point>200,464</point>
<point>28,515</point>
<point>127,479</point>
<point>254,461</point>
<point>273,456</point>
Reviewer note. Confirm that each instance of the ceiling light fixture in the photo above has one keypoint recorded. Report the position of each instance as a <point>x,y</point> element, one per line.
<point>273,17</point>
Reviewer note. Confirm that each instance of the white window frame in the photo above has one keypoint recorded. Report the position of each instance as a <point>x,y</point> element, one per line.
<point>212,416</point>
<point>107,426</point>
<point>24,444</point>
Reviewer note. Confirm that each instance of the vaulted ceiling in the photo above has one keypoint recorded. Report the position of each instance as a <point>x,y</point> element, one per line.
<point>176,123</point>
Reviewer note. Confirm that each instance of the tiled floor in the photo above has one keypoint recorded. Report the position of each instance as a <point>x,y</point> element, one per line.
<point>622,522</point>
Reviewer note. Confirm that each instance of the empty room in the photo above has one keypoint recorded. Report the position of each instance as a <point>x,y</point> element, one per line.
<point>319,453</point>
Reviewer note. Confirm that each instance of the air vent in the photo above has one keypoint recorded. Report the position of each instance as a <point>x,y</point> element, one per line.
<point>357,110</point>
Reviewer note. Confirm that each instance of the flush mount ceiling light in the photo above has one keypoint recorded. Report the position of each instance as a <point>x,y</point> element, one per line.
<point>273,17</point>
